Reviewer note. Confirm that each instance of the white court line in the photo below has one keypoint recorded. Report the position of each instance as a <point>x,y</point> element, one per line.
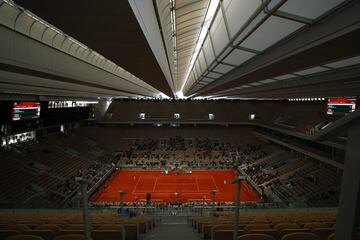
<point>197,184</point>
<point>245,186</point>
<point>215,184</point>
<point>136,184</point>
<point>155,184</point>
<point>166,192</point>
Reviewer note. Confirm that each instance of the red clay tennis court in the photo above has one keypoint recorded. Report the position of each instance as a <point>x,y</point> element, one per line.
<point>173,188</point>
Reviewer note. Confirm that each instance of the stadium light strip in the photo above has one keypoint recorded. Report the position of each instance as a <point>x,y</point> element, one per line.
<point>306,99</point>
<point>173,30</point>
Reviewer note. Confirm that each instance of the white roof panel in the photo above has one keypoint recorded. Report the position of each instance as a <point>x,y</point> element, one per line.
<point>309,8</point>
<point>270,32</point>
<point>222,68</point>
<point>283,77</point>
<point>312,71</point>
<point>344,62</point>
<point>237,57</point>
<point>268,81</point>
<point>214,75</point>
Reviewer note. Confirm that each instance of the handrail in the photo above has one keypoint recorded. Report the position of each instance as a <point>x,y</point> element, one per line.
<point>307,152</point>
<point>335,127</point>
<point>110,210</point>
<point>98,183</point>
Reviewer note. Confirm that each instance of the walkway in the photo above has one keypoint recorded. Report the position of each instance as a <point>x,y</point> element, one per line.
<point>172,228</point>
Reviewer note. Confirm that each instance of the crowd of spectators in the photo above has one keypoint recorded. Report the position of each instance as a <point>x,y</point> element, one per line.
<point>187,153</point>
<point>96,169</point>
<point>294,186</point>
<point>195,153</point>
<point>194,206</point>
<point>328,198</point>
<point>258,175</point>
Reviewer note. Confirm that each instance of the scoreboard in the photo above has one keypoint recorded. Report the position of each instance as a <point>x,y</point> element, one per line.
<point>341,105</point>
<point>25,110</point>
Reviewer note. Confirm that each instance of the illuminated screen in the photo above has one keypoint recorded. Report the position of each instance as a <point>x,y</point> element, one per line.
<point>25,110</point>
<point>341,105</point>
<point>252,116</point>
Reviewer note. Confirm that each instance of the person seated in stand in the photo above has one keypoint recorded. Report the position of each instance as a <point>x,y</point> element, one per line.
<point>124,212</point>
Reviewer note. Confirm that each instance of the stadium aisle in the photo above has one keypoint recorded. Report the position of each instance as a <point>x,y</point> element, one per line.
<point>174,231</point>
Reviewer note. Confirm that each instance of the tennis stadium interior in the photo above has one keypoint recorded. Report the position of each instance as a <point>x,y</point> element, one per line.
<point>180,119</point>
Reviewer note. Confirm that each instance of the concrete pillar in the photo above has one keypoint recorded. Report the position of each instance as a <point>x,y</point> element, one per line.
<point>213,199</point>
<point>203,205</point>
<point>237,181</point>
<point>87,225</point>
<point>348,215</point>
<point>137,206</point>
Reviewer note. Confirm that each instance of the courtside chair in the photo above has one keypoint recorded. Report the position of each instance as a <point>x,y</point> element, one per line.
<point>107,234</point>
<point>282,226</point>
<point>332,237</point>
<point>24,237</point>
<point>17,227</point>
<point>70,237</point>
<point>257,226</point>
<point>44,233</point>
<point>301,236</point>
<point>323,233</point>
<point>255,236</point>
<point>4,233</point>
<point>53,227</point>
<point>316,225</point>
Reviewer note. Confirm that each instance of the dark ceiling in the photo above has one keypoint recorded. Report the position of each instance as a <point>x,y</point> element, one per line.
<point>108,27</point>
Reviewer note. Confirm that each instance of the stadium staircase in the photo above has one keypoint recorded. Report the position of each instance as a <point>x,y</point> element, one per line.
<point>174,230</point>
<point>273,155</point>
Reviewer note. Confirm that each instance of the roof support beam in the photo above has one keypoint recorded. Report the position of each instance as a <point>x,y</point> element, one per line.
<point>292,17</point>
<point>348,216</point>
<point>308,48</point>
<point>340,79</point>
